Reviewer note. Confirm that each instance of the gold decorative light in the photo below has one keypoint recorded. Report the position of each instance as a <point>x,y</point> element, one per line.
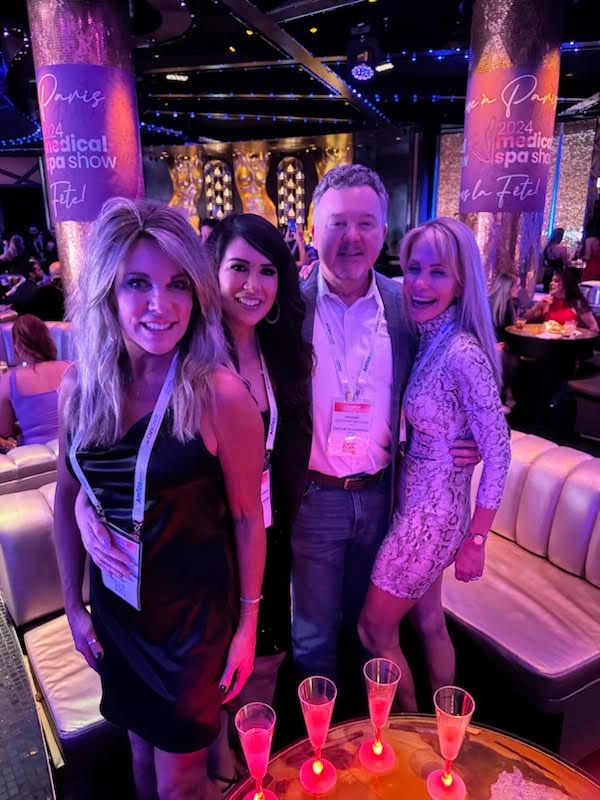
<point>290,191</point>
<point>217,180</point>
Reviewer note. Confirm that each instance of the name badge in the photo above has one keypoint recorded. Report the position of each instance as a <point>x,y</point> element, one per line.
<point>265,496</point>
<point>128,589</point>
<point>350,432</point>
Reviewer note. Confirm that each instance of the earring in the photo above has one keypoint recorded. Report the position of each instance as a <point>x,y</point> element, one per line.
<point>273,321</point>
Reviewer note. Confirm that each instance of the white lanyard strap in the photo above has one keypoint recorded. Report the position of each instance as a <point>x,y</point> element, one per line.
<point>143,457</point>
<point>339,367</point>
<point>273,412</point>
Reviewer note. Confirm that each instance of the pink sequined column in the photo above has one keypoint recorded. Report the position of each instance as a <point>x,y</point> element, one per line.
<point>88,111</point>
<point>509,119</point>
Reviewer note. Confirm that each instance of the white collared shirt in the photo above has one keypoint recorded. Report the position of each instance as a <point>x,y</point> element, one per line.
<point>352,328</point>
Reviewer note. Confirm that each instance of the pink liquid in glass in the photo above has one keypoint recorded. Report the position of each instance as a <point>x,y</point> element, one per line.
<point>379,709</point>
<point>450,741</point>
<point>257,744</point>
<point>317,720</point>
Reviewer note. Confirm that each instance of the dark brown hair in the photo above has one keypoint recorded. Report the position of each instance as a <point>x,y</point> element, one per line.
<point>32,336</point>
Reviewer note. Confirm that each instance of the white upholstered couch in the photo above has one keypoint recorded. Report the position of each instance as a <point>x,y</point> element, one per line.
<point>537,606</point>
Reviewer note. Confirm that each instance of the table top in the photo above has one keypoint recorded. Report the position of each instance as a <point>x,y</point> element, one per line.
<point>494,766</point>
<point>533,331</point>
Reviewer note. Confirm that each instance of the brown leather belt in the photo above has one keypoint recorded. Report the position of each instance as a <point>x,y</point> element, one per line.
<point>352,483</point>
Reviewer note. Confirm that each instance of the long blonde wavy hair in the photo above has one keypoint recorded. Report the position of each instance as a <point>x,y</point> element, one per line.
<point>458,251</point>
<point>96,403</point>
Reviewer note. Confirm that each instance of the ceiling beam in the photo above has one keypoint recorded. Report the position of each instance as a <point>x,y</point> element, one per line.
<point>250,15</point>
<point>238,96</point>
<point>287,12</point>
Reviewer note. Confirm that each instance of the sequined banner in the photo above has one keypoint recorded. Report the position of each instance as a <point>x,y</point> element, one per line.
<point>74,32</point>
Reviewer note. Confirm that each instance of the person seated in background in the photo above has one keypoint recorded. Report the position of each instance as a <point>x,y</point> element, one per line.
<point>48,303</point>
<point>38,276</point>
<point>21,296</point>
<point>565,303</point>
<point>29,392</point>
<point>591,252</point>
<point>555,256</point>
<point>15,256</point>
<point>35,244</point>
<point>55,273</point>
<point>503,297</point>
<point>207,226</point>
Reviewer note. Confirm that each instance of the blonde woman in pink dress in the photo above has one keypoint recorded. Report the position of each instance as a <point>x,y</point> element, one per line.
<point>453,393</point>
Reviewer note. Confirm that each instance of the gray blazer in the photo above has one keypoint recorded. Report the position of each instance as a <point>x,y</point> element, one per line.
<point>403,347</point>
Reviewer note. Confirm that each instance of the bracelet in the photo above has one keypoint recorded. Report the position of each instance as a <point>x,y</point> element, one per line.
<point>248,602</point>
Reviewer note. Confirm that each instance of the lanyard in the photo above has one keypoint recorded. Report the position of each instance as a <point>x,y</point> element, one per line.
<point>362,375</point>
<point>273,412</point>
<point>418,368</point>
<point>143,457</point>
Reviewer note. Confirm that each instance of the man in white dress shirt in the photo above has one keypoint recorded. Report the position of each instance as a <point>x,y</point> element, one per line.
<point>363,353</point>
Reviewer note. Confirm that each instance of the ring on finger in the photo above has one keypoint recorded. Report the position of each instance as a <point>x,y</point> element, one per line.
<point>92,641</point>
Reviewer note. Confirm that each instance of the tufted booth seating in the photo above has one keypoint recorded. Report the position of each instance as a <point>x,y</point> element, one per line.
<point>28,467</point>
<point>30,585</point>
<point>60,332</point>
<point>537,607</point>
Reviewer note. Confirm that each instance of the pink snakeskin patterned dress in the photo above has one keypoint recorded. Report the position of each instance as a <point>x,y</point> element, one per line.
<point>451,394</point>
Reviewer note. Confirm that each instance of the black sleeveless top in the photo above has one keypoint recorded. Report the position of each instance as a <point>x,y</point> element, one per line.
<point>162,665</point>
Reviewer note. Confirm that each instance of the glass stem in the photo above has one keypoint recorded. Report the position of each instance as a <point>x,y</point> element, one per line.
<point>447,766</point>
<point>259,792</point>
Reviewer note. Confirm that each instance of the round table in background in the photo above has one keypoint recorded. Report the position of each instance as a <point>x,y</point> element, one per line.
<point>494,766</point>
<point>526,341</point>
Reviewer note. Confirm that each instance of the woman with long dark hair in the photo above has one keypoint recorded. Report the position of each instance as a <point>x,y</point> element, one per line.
<point>263,313</point>
<point>565,303</point>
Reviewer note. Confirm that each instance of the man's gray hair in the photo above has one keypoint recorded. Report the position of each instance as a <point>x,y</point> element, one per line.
<point>349,175</point>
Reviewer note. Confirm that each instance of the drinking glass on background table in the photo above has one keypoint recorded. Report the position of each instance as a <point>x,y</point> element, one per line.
<point>454,708</point>
<point>381,678</point>
<point>569,327</point>
<point>255,723</point>
<point>317,697</point>
<point>520,318</point>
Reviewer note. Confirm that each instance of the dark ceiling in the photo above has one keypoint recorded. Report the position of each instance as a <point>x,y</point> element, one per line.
<point>267,69</point>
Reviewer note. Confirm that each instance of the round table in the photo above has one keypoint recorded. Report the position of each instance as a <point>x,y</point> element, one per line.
<point>494,766</point>
<point>526,341</point>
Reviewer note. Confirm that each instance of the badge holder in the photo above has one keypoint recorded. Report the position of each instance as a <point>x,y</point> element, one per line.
<point>127,588</point>
<point>350,431</point>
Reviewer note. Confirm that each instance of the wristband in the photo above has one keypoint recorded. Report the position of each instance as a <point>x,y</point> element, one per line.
<point>249,602</point>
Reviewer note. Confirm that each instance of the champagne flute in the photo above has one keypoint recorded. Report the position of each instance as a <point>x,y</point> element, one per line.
<point>381,677</point>
<point>255,723</point>
<point>454,708</point>
<point>317,696</point>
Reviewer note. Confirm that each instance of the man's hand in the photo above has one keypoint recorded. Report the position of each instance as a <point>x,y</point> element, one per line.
<point>465,453</point>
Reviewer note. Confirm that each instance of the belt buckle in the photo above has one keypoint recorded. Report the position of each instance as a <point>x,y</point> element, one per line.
<point>348,481</point>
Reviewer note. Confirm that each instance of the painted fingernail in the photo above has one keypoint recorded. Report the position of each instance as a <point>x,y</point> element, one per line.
<point>222,688</point>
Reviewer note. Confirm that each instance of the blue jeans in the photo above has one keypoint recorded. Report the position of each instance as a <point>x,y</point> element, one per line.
<point>335,539</point>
